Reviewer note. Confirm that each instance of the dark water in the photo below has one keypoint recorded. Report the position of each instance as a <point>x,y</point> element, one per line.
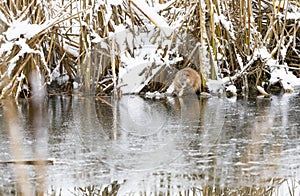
<point>169,146</point>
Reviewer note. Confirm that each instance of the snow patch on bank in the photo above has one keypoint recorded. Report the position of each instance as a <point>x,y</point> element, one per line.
<point>279,73</point>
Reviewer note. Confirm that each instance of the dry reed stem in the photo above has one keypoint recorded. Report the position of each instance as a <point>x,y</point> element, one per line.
<point>33,42</point>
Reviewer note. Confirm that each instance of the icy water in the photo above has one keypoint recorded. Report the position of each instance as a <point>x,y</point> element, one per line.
<point>137,146</point>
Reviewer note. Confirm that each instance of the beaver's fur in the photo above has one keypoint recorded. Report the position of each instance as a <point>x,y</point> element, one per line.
<point>186,82</point>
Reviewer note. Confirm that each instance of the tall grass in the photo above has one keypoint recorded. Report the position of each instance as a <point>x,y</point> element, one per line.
<point>229,34</point>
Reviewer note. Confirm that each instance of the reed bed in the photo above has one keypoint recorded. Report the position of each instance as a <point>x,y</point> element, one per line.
<point>228,37</point>
<point>234,32</point>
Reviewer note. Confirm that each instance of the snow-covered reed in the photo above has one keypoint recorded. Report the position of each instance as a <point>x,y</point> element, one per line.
<point>243,41</point>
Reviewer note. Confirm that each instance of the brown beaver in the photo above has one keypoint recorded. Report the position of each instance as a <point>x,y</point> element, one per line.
<point>187,81</point>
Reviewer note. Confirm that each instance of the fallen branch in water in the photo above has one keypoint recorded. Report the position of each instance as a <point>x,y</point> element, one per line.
<point>29,162</point>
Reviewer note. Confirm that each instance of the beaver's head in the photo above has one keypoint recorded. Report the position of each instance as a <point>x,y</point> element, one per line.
<point>187,81</point>
<point>184,80</point>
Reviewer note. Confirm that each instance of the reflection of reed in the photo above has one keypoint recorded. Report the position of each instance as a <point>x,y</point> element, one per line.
<point>16,148</point>
<point>107,115</point>
<point>60,111</point>
<point>36,108</point>
<point>36,115</point>
<point>164,186</point>
<point>261,146</point>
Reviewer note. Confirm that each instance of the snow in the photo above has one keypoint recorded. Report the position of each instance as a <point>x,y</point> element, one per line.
<point>231,88</point>
<point>3,18</point>
<point>18,29</point>
<point>225,23</point>
<point>262,91</point>
<point>215,86</point>
<point>287,78</point>
<point>17,34</point>
<point>170,90</point>
<point>24,49</point>
<point>119,28</point>
<point>293,16</point>
<point>240,60</point>
<point>132,76</point>
<point>265,55</point>
<point>283,51</point>
<point>138,71</point>
<point>159,7</point>
<point>148,59</point>
<point>21,77</point>
<point>155,18</point>
<point>115,2</point>
<point>286,187</point>
<point>6,47</point>
<point>141,57</point>
<point>75,85</point>
<point>97,38</point>
<point>281,4</point>
<point>278,72</point>
<point>263,52</point>
<point>156,95</point>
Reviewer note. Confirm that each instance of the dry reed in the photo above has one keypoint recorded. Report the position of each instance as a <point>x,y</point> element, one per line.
<point>229,34</point>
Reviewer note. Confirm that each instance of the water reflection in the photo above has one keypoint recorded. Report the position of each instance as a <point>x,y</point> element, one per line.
<point>145,134</point>
<point>133,145</point>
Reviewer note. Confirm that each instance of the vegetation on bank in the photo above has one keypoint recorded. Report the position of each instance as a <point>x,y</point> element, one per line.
<point>237,42</point>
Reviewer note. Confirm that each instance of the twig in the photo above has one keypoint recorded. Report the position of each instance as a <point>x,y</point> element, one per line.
<point>103,101</point>
<point>29,162</point>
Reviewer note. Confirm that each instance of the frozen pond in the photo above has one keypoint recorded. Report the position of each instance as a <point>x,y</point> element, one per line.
<point>134,146</point>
